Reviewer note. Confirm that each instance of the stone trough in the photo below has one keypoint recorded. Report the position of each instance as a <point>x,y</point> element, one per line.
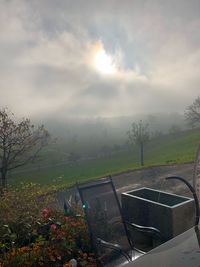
<point>171,214</point>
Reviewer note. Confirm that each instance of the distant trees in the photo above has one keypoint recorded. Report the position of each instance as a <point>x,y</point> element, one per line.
<point>174,130</point>
<point>73,157</point>
<point>20,142</point>
<point>106,150</point>
<point>192,113</point>
<point>139,134</point>
<point>157,134</point>
<point>116,148</point>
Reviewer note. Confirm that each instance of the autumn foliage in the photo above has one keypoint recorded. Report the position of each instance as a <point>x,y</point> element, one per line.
<point>36,233</point>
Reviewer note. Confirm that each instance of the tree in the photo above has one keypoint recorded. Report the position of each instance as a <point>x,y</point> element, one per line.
<point>139,135</point>
<point>20,142</point>
<point>192,113</point>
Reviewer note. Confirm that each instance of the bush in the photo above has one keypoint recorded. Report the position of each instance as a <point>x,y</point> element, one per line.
<point>34,232</point>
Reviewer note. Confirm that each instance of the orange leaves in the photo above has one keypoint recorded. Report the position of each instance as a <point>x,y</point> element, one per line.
<point>41,236</point>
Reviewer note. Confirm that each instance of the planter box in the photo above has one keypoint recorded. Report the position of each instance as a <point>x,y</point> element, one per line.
<point>171,214</point>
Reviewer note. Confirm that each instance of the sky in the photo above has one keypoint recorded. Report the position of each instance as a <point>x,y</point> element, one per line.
<point>98,58</point>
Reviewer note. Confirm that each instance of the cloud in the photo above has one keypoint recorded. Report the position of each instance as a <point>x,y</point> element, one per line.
<point>47,51</point>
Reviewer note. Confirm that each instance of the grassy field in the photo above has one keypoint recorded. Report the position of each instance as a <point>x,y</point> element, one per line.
<point>168,149</point>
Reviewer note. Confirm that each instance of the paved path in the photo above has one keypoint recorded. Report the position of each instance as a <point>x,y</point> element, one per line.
<point>150,177</point>
<point>154,177</point>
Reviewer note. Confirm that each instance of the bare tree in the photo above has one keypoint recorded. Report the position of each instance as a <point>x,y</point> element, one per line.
<point>139,135</point>
<point>20,142</point>
<point>192,113</point>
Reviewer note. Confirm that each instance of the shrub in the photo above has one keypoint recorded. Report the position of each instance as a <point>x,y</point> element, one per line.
<point>35,232</point>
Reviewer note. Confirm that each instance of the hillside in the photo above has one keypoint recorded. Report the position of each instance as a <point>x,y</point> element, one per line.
<point>163,150</point>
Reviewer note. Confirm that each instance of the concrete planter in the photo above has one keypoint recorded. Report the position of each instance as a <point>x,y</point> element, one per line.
<point>171,214</point>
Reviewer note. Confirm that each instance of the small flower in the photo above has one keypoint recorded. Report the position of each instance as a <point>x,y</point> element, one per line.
<point>59,257</point>
<point>45,213</point>
<point>53,226</point>
<point>52,258</point>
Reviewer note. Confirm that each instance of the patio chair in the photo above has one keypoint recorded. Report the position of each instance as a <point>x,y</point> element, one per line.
<point>109,233</point>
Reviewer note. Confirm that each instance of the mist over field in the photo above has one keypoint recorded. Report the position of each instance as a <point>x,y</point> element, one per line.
<point>112,129</point>
<point>100,137</point>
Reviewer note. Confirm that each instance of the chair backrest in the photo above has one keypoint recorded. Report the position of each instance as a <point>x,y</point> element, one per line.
<point>104,217</point>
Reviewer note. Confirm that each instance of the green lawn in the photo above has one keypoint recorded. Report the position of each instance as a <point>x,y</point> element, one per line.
<point>165,150</point>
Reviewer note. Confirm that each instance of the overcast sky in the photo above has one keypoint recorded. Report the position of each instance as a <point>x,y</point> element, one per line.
<point>149,56</point>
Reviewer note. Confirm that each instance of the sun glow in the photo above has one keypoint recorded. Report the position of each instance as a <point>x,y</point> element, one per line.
<point>104,63</point>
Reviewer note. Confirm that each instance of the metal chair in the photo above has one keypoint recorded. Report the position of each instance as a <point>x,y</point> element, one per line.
<point>109,233</point>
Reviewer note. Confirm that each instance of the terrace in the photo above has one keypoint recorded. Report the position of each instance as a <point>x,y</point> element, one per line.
<point>158,214</point>
<point>61,238</point>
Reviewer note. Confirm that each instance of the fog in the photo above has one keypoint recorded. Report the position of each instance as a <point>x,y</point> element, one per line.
<point>94,136</point>
<point>47,52</point>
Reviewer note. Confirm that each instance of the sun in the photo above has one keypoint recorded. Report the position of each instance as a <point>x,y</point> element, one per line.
<point>104,62</point>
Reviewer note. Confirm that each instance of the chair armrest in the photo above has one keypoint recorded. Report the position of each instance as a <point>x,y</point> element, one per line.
<point>108,244</point>
<point>144,229</point>
<point>113,246</point>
